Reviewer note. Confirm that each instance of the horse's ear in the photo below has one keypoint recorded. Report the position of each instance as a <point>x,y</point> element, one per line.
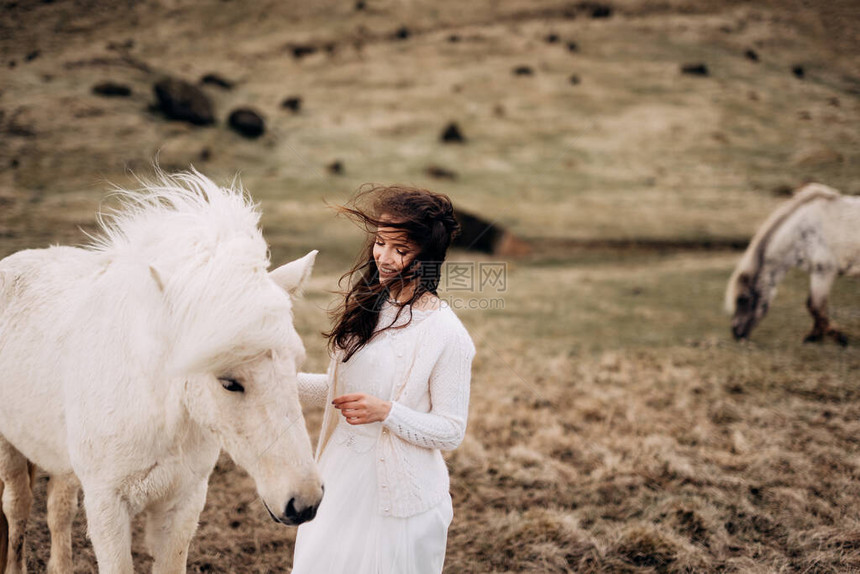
<point>292,276</point>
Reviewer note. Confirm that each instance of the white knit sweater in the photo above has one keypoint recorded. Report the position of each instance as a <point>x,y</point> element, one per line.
<point>430,404</point>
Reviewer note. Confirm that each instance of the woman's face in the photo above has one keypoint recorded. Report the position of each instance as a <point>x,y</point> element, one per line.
<point>392,252</point>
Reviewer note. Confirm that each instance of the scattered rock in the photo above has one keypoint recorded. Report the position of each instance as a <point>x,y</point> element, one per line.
<point>596,9</point>
<point>402,33</point>
<point>293,103</point>
<point>302,50</point>
<point>499,111</point>
<point>32,55</point>
<point>12,63</point>
<point>179,100</point>
<point>452,134</point>
<point>751,55</point>
<point>572,47</point>
<point>360,5</point>
<point>330,48</point>
<point>804,115</point>
<point>798,71</point>
<point>205,154</point>
<point>833,101</point>
<point>14,164</point>
<point>439,172</point>
<point>695,70</point>
<point>247,122</point>
<point>216,80</point>
<point>523,71</point>
<point>454,38</point>
<point>552,38</point>
<point>478,234</point>
<point>574,80</point>
<point>335,167</point>
<point>783,190</point>
<point>112,89</point>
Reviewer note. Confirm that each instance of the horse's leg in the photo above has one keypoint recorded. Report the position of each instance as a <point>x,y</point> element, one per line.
<point>170,525</point>
<point>821,281</point>
<point>109,528</point>
<point>62,507</point>
<point>4,534</point>
<point>17,499</point>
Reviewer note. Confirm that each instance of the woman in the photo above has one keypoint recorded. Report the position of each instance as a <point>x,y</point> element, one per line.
<point>396,394</point>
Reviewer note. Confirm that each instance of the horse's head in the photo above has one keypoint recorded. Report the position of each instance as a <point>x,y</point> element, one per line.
<point>250,401</point>
<point>749,304</point>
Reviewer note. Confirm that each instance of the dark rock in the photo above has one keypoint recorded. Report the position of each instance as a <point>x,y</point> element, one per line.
<point>402,33</point>
<point>783,190</point>
<point>454,38</point>
<point>12,63</point>
<point>216,80</point>
<point>205,154</point>
<point>523,71</point>
<point>335,167</point>
<point>695,70</point>
<point>179,100</point>
<point>438,172</point>
<point>478,234</point>
<point>798,71</point>
<point>247,122</point>
<point>552,38</point>
<point>293,103</point>
<point>572,47</point>
<point>302,50</point>
<point>751,55</point>
<point>452,134</point>
<point>574,80</point>
<point>360,5</point>
<point>330,48</point>
<point>596,9</point>
<point>32,55</point>
<point>14,163</point>
<point>112,89</point>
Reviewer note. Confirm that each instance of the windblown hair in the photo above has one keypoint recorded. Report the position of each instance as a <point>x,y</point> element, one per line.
<point>427,219</point>
<point>199,245</point>
<point>753,259</point>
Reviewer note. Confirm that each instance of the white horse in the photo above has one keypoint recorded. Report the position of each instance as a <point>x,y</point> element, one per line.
<point>127,365</point>
<point>818,230</point>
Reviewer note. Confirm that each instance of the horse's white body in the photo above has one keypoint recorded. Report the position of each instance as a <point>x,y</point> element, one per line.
<point>118,366</point>
<point>818,231</point>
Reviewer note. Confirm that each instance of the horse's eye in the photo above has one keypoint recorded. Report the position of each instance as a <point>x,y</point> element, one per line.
<point>232,385</point>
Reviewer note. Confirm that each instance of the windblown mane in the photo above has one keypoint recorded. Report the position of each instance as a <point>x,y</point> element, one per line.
<point>753,257</point>
<point>206,254</point>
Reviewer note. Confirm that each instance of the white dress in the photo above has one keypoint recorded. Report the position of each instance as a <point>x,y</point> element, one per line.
<point>349,534</point>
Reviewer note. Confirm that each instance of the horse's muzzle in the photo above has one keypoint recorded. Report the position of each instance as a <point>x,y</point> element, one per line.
<point>293,515</point>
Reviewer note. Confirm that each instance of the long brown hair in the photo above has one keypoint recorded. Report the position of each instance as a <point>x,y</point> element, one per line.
<point>427,220</point>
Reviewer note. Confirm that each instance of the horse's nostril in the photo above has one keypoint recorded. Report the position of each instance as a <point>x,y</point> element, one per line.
<point>295,516</point>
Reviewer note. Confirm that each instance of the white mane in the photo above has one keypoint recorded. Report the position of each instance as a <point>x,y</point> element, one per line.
<point>753,257</point>
<point>206,254</point>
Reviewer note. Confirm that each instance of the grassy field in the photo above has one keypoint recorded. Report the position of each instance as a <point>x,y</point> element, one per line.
<point>615,426</point>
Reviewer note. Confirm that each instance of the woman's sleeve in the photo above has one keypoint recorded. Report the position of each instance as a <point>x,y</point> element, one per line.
<point>313,389</point>
<point>445,425</point>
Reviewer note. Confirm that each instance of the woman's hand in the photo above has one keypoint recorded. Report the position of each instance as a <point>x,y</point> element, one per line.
<point>360,409</point>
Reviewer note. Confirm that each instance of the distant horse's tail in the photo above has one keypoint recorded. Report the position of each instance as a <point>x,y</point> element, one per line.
<point>754,255</point>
